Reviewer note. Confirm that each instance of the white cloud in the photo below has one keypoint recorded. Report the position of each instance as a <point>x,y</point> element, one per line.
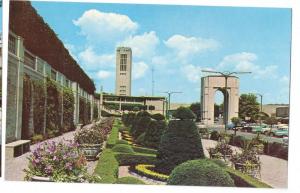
<point>139,69</point>
<point>143,46</point>
<point>246,62</point>
<point>185,47</point>
<point>100,26</point>
<point>103,74</point>
<point>92,61</point>
<point>192,73</point>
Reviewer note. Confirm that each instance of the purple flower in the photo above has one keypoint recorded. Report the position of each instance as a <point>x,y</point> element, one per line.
<point>48,170</point>
<point>69,166</point>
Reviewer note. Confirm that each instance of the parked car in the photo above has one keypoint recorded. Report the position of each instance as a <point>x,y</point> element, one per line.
<point>247,127</point>
<point>285,141</point>
<point>261,129</point>
<point>280,132</point>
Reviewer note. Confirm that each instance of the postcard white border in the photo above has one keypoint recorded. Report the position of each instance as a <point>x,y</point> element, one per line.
<point>294,158</point>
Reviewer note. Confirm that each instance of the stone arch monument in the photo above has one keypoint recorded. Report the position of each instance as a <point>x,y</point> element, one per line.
<point>209,86</point>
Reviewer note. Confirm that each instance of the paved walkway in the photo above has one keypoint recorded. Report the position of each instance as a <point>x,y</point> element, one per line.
<point>14,167</point>
<point>274,171</point>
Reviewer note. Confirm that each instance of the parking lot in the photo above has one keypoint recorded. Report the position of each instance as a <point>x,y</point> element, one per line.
<point>248,135</point>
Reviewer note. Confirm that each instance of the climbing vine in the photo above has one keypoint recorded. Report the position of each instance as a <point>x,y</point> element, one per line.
<point>27,98</point>
<point>39,91</point>
<point>68,109</point>
<point>52,110</point>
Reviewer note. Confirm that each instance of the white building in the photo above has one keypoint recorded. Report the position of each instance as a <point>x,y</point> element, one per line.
<point>123,71</point>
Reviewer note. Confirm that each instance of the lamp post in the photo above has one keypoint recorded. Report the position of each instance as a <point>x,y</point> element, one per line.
<point>261,99</point>
<point>226,75</point>
<point>169,101</point>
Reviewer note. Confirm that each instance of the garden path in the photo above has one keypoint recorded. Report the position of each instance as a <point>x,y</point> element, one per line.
<point>274,171</point>
<point>14,167</point>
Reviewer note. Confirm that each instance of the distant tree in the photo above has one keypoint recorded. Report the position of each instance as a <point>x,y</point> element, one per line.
<point>271,121</point>
<point>248,106</point>
<point>196,108</point>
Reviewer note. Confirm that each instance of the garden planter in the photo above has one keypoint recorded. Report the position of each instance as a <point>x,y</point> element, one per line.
<point>91,151</point>
<point>40,179</point>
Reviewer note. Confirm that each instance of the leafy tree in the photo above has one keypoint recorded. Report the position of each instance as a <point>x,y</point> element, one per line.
<point>248,106</point>
<point>271,121</point>
<point>196,108</point>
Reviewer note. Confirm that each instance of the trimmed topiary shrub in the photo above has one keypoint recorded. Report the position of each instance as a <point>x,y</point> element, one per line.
<point>141,124</point>
<point>158,117</point>
<point>129,180</point>
<point>122,148</point>
<point>140,140</point>
<point>154,133</point>
<point>180,142</point>
<point>215,135</point>
<point>184,113</point>
<point>200,173</point>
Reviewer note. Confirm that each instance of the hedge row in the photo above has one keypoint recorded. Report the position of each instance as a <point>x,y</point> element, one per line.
<point>107,167</point>
<point>114,135</point>
<point>243,180</point>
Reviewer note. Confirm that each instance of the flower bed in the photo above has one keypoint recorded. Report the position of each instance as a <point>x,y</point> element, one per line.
<point>147,171</point>
<point>60,162</point>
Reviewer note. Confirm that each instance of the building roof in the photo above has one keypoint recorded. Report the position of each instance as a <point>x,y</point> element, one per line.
<point>140,97</point>
<point>43,42</point>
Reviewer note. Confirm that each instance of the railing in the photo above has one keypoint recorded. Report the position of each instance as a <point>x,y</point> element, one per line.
<point>29,59</point>
<point>12,41</point>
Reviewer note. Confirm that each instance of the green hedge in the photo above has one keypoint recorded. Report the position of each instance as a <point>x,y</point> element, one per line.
<point>107,167</point>
<point>243,180</point>
<point>144,150</point>
<point>134,159</point>
<point>68,113</point>
<point>114,135</point>
<point>122,148</point>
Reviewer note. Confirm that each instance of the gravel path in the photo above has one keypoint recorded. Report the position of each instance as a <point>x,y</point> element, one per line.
<point>274,171</point>
<point>14,167</point>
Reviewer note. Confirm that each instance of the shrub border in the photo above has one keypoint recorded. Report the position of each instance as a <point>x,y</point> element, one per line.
<point>143,169</point>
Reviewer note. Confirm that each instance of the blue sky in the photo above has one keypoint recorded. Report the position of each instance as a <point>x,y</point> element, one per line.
<point>178,42</point>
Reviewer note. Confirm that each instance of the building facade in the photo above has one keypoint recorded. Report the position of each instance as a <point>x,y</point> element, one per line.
<point>123,71</point>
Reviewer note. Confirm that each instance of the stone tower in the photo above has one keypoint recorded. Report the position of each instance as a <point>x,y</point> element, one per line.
<point>123,71</point>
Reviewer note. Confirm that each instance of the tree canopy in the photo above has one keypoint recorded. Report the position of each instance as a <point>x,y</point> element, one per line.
<point>248,106</point>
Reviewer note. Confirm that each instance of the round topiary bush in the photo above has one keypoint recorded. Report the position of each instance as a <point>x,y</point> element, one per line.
<point>122,148</point>
<point>201,172</point>
<point>122,142</point>
<point>129,180</point>
<point>179,143</point>
<point>154,133</point>
<point>184,113</point>
<point>158,117</point>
